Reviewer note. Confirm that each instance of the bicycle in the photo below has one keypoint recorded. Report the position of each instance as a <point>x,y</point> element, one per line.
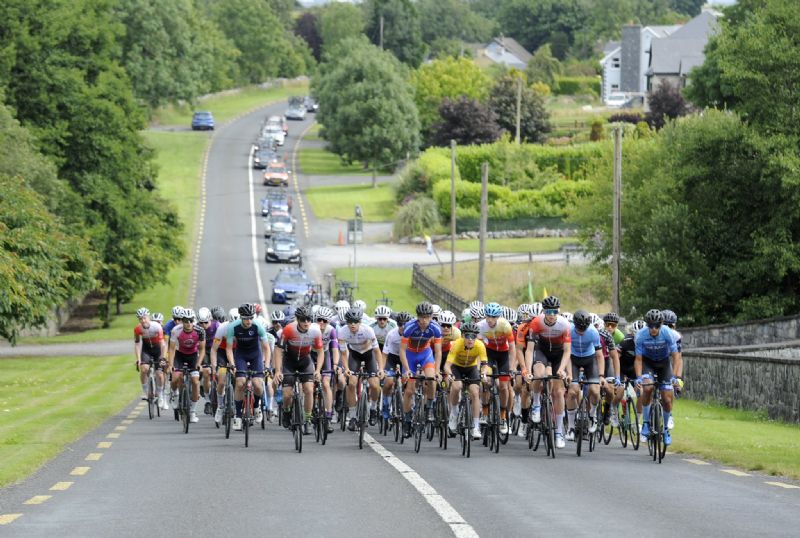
<point>344,410</point>
<point>464,427</point>
<point>418,417</point>
<point>442,414</point>
<point>248,407</point>
<point>230,408</point>
<point>583,415</point>
<point>605,431</point>
<point>655,439</point>
<point>491,429</point>
<point>628,416</point>
<point>362,404</point>
<point>318,416</point>
<point>298,419</point>
<point>153,409</point>
<point>184,399</point>
<point>546,428</point>
<point>396,414</point>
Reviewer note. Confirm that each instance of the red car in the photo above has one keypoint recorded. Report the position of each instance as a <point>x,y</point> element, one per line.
<point>276,175</point>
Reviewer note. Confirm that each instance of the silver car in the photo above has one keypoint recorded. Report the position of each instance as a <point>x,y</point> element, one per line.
<point>278,223</point>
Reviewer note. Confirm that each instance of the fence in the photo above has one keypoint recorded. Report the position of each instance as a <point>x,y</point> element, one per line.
<point>436,293</point>
<point>473,224</point>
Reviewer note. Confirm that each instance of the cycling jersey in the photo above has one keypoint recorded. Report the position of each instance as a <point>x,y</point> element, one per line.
<point>496,338</point>
<point>618,335</point>
<point>461,356</point>
<point>380,334</point>
<point>549,338</point>
<point>171,324</point>
<point>211,331</point>
<point>361,341</point>
<point>606,342</point>
<point>658,347</point>
<point>221,335</point>
<point>586,344</point>
<point>151,337</point>
<point>247,340</point>
<point>187,342</point>
<point>330,339</point>
<point>392,344</point>
<point>298,344</point>
<point>678,339</point>
<point>447,341</point>
<point>627,355</point>
<point>418,340</point>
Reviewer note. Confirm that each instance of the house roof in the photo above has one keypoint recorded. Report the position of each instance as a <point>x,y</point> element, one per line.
<point>679,52</point>
<point>701,27</point>
<point>663,31</point>
<point>610,47</point>
<point>507,50</point>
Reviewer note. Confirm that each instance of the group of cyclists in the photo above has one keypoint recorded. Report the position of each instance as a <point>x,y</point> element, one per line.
<point>519,349</point>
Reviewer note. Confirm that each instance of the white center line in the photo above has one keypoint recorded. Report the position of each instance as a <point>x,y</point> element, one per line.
<point>256,259</point>
<point>444,509</point>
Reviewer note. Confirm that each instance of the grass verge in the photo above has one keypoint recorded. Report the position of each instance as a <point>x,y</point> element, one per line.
<point>372,280</point>
<point>43,414</point>
<point>321,162</point>
<point>514,244</point>
<point>312,134</point>
<point>338,202</point>
<point>743,439</point>
<point>577,285</point>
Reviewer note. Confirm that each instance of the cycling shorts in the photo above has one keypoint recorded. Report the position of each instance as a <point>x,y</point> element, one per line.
<point>548,358</point>
<point>498,360</point>
<point>354,360</point>
<point>327,364</point>
<point>466,373</point>
<point>150,355</point>
<point>589,365</point>
<point>392,362</point>
<point>422,360</point>
<point>303,365</point>
<point>222,358</point>
<point>248,361</point>
<point>662,369</point>
<point>183,360</point>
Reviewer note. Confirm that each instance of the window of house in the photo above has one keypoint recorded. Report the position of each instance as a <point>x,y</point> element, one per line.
<point>615,63</point>
<point>614,87</point>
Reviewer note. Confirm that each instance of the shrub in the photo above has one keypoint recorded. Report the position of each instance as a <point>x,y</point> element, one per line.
<point>643,130</point>
<point>597,133</point>
<point>541,89</point>
<point>417,217</point>
<point>418,177</point>
<point>626,117</point>
<point>578,86</point>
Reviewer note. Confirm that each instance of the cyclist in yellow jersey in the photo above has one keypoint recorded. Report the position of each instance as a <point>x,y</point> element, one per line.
<point>462,364</point>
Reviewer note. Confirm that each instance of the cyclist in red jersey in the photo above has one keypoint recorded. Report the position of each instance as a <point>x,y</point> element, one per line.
<point>149,348</point>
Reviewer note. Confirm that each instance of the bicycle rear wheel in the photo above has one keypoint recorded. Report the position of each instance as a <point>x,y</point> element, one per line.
<point>184,405</point>
<point>230,410</point>
<point>549,420</point>
<point>363,411</point>
<point>624,423</point>
<point>152,400</point>
<point>633,421</point>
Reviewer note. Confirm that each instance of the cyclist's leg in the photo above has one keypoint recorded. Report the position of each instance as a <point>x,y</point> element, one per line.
<point>573,394</point>
<point>647,395</point>
<point>241,375</point>
<point>352,388</point>
<point>144,370</point>
<point>540,365</point>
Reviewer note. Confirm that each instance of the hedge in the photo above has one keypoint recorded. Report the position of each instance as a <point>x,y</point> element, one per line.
<point>418,177</point>
<point>578,86</point>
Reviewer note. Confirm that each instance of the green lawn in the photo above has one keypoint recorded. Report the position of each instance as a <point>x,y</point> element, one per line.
<point>338,202</point>
<point>373,280</point>
<point>228,105</point>
<point>43,412</point>
<point>313,133</point>
<point>522,244</point>
<point>739,438</point>
<point>318,161</point>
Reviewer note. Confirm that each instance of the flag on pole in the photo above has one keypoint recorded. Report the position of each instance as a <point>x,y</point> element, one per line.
<point>530,287</point>
<point>429,245</point>
<point>544,293</point>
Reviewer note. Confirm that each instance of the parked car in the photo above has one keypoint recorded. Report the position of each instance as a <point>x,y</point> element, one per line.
<point>616,100</point>
<point>289,284</point>
<point>275,131</point>
<point>278,200</point>
<point>297,112</point>
<point>263,157</point>
<point>310,104</point>
<point>282,248</point>
<point>276,175</point>
<point>202,121</point>
<point>278,222</point>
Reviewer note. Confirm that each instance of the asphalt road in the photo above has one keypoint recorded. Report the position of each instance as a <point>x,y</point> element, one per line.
<point>137,477</point>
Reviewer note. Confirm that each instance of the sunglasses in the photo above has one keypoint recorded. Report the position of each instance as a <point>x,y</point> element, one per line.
<point>447,325</point>
<point>245,318</point>
<point>470,336</point>
<point>654,325</point>
<point>382,319</point>
<point>303,320</point>
<point>186,320</point>
<point>322,321</point>
<point>204,322</point>
<point>551,311</point>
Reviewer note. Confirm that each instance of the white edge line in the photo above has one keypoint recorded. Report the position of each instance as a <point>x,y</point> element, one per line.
<point>443,509</point>
<point>256,259</point>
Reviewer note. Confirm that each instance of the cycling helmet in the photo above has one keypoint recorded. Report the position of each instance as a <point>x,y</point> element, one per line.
<point>303,313</point>
<point>476,304</point>
<point>425,309</point>
<point>567,316</point>
<point>233,314</point>
<point>653,316</point>
<point>447,318</point>
<point>325,313</point>
<point>510,314</point>
<point>189,313</point>
<point>358,303</point>
<point>493,310</point>
<point>582,319</point>
<point>314,309</point>
<point>247,310</point>
<point>611,317</point>
<point>536,309</point>
<point>550,302</point>
<point>437,310</point>
<point>177,312</point>
<point>523,312</point>
<point>383,311</point>
<point>476,312</point>
<point>638,325</point>
<point>158,317</point>
<point>402,317</point>
<point>596,321</point>
<point>204,314</point>
<point>277,315</point>
<point>142,312</point>
<point>466,317</point>
<point>353,315</point>
<point>218,313</point>
<point>470,328</point>
<point>670,317</point>
<point>342,304</point>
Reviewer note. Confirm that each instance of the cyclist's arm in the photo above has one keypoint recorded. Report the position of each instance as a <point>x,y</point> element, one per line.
<point>277,359</point>
<point>637,365</point>
<point>677,364</point>
<point>202,354</point>
<point>137,349</point>
<point>566,360</point>
<point>403,358</point>
<point>437,354</point>
<point>380,358</point>
<point>615,360</point>
<point>171,354</point>
<point>320,358</point>
<point>214,349</point>
<point>512,354</point>
<point>528,357</point>
<point>266,352</point>
<point>229,353</point>
<point>601,363</point>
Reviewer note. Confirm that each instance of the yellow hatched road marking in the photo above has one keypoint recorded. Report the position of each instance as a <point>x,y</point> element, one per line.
<point>61,486</point>
<point>133,415</point>
<point>94,456</point>
<point>37,499</point>
<point>126,422</point>
<point>80,471</point>
<point>104,444</point>
<point>121,428</point>
<point>112,436</point>
<point>5,519</point>
<point>783,485</point>
<point>735,472</point>
<point>696,462</point>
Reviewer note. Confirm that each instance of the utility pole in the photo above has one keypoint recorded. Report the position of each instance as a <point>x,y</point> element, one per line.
<point>452,209</point>
<point>484,218</point>
<point>356,227</point>
<point>519,108</point>
<point>380,38</point>
<point>617,224</point>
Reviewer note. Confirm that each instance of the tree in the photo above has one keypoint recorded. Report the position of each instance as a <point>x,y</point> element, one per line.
<point>543,67</point>
<point>454,20</point>
<point>665,102</point>
<point>307,26</point>
<point>402,29</point>
<point>366,109</point>
<point>448,77</point>
<point>466,121</point>
<point>534,118</point>
<point>536,22</point>
<point>338,21</point>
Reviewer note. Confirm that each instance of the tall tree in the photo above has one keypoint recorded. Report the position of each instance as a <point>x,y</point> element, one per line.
<point>536,22</point>
<point>454,19</point>
<point>534,118</point>
<point>543,67</point>
<point>307,26</point>
<point>339,21</point>
<point>402,29</point>
<point>665,103</point>
<point>466,121</point>
<point>366,108</point>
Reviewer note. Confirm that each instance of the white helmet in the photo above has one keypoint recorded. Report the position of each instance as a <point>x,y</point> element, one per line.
<point>325,313</point>
<point>233,314</point>
<point>447,318</point>
<point>189,313</point>
<point>536,309</point>
<point>314,310</point>
<point>383,311</point>
<point>142,312</point>
<point>177,311</point>
<point>510,314</point>
<point>342,304</point>
<point>436,311</point>
<point>596,321</point>
<point>637,326</point>
<point>203,315</point>
<point>360,304</point>
<point>277,315</point>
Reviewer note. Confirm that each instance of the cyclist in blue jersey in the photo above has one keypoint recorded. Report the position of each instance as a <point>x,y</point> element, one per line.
<point>655,347</point>
<point>586,353</point>
<point>420,346</point>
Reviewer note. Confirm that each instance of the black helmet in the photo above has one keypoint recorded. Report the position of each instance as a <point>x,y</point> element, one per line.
<point>218,313</point>
<point>611,317</point>
<point>353,315</point>
<point>402,317</point>
<point>303,313</point>
<point>581,319</point>
<point>653,317</point>
<point>247,310</point>
<point>425,309</point>
<point>550,302</point>
<point>470,328</point>
<point>670,317</point>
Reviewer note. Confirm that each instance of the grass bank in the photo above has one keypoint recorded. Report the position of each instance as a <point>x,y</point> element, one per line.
<point>338,202</point>
<point>43,414</point>
<point>521,244</point>
<point>577,285</point>
<point>743,439</point>
<point>373,280</point>
<point>321,162</point>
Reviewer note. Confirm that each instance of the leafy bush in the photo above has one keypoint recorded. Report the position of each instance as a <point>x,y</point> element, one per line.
<point>597,133</point>
<point>418,177</point>
<point>417,217</point>
<point>578,86</point>
<point>626,117</point>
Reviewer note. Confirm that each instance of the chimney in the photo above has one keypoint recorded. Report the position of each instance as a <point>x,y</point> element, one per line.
<point>631,57</point>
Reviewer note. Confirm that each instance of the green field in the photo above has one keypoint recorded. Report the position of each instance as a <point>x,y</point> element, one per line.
<point>321,162</point>
<point>338,202</point>
<point>373,280</point>
<point>312,134</point>
<point>742,439</point>
<point>227,105</point>
<point>521,244</point>
<point>48,403</point>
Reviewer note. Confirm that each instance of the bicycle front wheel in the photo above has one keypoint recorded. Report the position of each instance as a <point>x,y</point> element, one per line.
<point>363,411</point>
<point>624,423</point>
<point>633,422</point>
<point>151,397</point>
<point>184,405</point>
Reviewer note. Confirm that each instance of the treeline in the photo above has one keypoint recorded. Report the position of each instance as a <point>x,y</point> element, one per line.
<point>79,206</point>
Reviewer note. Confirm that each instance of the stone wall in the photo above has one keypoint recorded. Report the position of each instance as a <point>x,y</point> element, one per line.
<point>756,383</point>
<point>763,331</point>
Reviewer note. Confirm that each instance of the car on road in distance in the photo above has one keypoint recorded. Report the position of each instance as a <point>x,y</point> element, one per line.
<point>616,100</point>
<point>202,120</point>
<point>310,103</point>
<point>276,175</point>
<point>276,200</point>
<point>278,222</point>
<point>279,120</point>
<point>275,131</point>
<point>282,248</point>
<point>289,284</point>
<point>263,157</point>
<point>265,142</point>
<point>296,112</point>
